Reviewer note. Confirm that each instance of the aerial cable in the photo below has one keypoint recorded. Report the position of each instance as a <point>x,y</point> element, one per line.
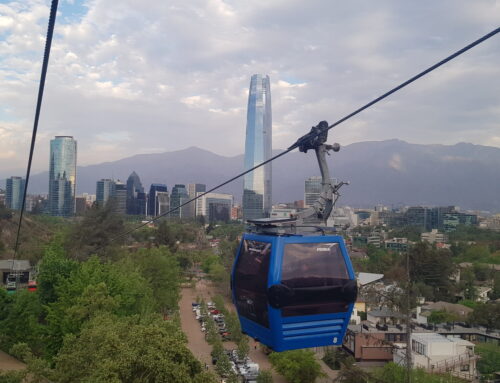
<point>48,43</point>
<point>315,133</point>
<point>404,84</point>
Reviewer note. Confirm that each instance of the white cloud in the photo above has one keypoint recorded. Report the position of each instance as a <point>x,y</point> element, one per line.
<point>176,74</point>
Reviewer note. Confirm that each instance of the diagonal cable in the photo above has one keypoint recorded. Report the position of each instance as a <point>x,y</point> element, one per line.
<point>316,133</point>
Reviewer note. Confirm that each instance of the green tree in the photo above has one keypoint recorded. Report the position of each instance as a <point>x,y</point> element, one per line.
<point>22,321</point>
<point>118,290</point>
<point>233,326</point>
<point>53,268</point>
<point>223,366</point>
<point>437,317</point>
<point>164,236</point>
<point>297,366</point>
<point>432,267</point>
<point>265,376</point>
<point>467,279</point>
<point>490,358</point>
<point>243,347</point>
<point>94,233</point>
<point>394,373</point>
<point>487,315</point>
<point>113,349</point>
<point>161,269</point>
<point>350,373</point>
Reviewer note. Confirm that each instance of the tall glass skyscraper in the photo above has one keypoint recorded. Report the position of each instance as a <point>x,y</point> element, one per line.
<point>135,195</point>
<point>153,200</point>
<point>62,176</point>
<point>258,145</point>
<point>14,192</point>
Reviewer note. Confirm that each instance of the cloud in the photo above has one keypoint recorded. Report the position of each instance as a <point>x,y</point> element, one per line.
<point>176,74</point>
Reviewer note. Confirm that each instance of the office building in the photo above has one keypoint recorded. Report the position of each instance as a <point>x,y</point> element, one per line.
<point>312,190</point>
<point>62,176</point>
<point>120,197</point>
<point>135,196</point>
<point>14,192</point>
<point>193,189</point>
<point>110,190</point>
<point>105,189</point>
<point>178,197</point>
<point>215,207</point>
<point>257,194</point>
<point>153,200</point>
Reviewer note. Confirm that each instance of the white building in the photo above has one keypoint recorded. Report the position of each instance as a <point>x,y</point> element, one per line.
<point>434,237</point>
<point>278,212</point>
<point>438,354</point>
<point>215,207</point>
<point>343,217</point>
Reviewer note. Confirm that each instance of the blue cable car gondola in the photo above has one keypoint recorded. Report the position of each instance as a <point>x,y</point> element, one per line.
<point>292,287</point>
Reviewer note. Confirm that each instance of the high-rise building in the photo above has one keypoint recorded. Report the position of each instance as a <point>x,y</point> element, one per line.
<point>14,192</point>
<point>135,205</point>
<point>257,194</point>
<point>153,201</point>
<point>216,207</point>
<point>178,197</point>
<point>120,197</point>
<point>105,189</point>
<point>312,190</point>
<point>193,189</point>
<point>62,176</point>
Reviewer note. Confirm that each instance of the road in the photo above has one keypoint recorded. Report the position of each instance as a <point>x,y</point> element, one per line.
<point>201,349</point>
<point>8,363</point>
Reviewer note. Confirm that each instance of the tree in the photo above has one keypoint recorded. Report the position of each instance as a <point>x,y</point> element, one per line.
<point>223,366</point>
<point>490,358</point>
<point>265,376</point>
<point>394,373</point>
<point>93,234</point>
<point>432,267</point>
<point>161,269</point>
<point>297,366</point>
<point>113,349</point>
<point>487,315</point>
<point>53,268</point>
<point>21,321</point>
<point>243,347</point>
<point>164,236</point>
<point>437,317</point>
<point>350,373</point>
<point>95,287</point>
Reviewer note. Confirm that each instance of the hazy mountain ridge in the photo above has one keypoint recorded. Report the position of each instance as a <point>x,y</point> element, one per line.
<point>388,172</point>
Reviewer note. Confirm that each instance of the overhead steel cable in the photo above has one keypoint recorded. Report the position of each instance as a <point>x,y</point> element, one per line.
<point>316,132</point>
<point>45,64</point>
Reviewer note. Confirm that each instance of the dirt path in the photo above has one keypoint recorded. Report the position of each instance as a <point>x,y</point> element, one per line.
<point>201,349</point>
<point>196,338</point>
<point>8,363</point>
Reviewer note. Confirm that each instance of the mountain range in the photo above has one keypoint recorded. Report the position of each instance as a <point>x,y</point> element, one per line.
<point>391,172</point>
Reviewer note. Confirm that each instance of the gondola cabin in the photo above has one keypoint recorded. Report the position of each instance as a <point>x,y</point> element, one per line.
<point>32,286</point>
<point>293,291</point>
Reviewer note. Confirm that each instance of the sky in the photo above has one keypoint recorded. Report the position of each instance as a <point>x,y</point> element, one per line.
<point>130,77</point>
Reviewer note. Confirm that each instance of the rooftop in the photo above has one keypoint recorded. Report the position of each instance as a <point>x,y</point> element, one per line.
<point>19,264</point>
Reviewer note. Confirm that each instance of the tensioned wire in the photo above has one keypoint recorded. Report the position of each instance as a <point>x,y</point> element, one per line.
<point>316,134</point>
<point>308,136</point>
